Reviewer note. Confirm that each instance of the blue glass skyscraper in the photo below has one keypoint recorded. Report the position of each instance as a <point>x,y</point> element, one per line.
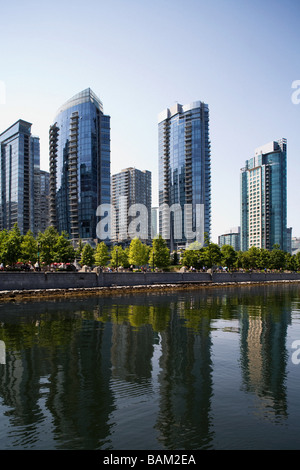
<point>264,198</point>
<point>184,172</point>
<point>79,144</point>
<point>19,178</point>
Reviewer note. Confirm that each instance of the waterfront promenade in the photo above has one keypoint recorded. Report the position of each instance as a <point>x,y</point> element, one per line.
<point>32,284</point>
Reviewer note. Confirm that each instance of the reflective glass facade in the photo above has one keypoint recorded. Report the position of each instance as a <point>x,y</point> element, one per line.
<point>232,238</point>
<point>184,167</point>
<point>264,198</point>
<point>79,165</point>
<point>131,186</point>
<point>19,178</point>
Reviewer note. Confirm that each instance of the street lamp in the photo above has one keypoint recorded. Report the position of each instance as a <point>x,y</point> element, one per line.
<point>153,259</point>
<point>38,255</point>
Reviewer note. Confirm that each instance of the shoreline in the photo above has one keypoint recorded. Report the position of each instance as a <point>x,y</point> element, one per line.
<point>50,294</point>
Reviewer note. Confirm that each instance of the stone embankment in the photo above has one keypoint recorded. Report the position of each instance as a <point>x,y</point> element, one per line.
<point>25,285</point>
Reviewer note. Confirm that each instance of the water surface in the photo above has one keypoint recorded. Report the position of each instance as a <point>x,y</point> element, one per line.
<point>207,369</point>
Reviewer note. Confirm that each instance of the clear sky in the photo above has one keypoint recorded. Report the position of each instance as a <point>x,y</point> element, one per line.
<point>238,56</point>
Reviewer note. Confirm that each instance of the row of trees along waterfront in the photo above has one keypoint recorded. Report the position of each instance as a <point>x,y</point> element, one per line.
<point>51,247</point>
<point>253,259</point>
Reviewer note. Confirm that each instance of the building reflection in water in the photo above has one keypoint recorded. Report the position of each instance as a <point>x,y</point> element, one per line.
<point>264,356</point>
<point>185,384</point>
<point>69,364</point>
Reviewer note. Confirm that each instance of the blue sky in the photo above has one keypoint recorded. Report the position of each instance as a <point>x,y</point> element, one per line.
<point>139,57</point>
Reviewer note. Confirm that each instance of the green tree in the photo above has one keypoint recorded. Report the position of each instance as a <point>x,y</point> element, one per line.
<point>29,248</point>
<point>239,259</point>
<point>3,241</point>
<point>290,262</point>
<point>12,246</point>
<point>47,241</point>
<point>245,259</point>
<point>277,258</point>
<point>228,256</point>
<point>264,259</point>
<point>297,261</point>
<point>63,249</point>
<point>101,254</point>
<point>87,256</point>
<point>138,253</point>
<point>191,258</point>
<point>119,257</point>
<point>254,257</point>
<point>212,252</point>
<point>159,254</point>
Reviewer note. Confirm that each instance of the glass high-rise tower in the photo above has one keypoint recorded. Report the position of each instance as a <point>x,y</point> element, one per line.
<point>79,145</point>
<point>130,188</point>
<point>19,178</point>
<point>264,198</point>
<point>184,173</point>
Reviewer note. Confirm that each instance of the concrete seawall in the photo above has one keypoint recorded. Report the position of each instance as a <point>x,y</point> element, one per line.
<point>18,281</point>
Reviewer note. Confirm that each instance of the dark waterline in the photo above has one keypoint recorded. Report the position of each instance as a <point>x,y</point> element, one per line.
<point>207,369</point>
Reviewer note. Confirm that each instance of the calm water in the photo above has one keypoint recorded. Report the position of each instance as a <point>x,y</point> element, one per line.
<point>213,369</point>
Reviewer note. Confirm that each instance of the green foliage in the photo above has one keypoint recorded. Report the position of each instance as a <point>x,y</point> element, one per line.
<point>159,254</point>
<point>253,257</point>
<point>47,242</point>
<point>192,258</point>
<point>119,257</point>
<point>228,256</point>
<point>51,246</point>
<point>264,258</point>
<point>290,262</point>
<point>29,248</point>
<point>212,253</point>
<point>87,256</point>
<point>12,246</point>
<point>3,241</point>
<point>63,249</point>
<point>297,260</point>
<point>101,254</point>
<point>277,258</point>
<point>138,253</point>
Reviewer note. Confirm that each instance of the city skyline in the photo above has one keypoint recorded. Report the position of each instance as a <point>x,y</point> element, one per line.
<point>140,58</point>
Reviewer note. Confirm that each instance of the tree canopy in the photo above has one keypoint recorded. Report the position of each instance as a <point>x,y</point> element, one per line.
<point>159,254</point>
<point>87,256</point>
<point>138,253</point>
<point>53,247</point>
